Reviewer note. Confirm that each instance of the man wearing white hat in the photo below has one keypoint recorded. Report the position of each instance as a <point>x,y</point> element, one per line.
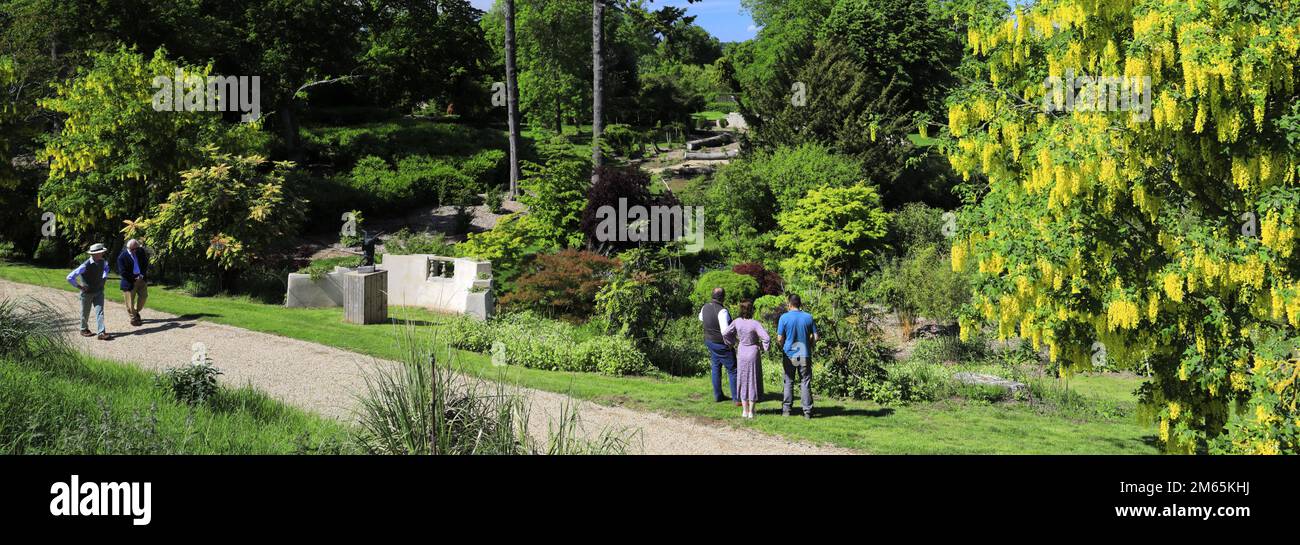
<point>93,273</point>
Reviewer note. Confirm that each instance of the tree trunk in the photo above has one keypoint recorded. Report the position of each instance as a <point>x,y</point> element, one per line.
<point>512,98</point>
<point>289,129</point>
<point>597,84</point>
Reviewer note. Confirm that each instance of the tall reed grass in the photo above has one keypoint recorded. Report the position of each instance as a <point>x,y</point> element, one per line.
<point>423,406</point>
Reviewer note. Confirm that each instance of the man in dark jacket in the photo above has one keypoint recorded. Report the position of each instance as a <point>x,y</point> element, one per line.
<point>715,318</point>
<point>133,265</point>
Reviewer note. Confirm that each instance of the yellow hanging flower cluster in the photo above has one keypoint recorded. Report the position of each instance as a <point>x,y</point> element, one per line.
<point>1086,200</point>
<point>1173,286</point>
<point>1121,314</point>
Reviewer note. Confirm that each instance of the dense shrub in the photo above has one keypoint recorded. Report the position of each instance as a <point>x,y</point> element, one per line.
<point>769,282</point>
<point>333,189</point>
<point>555,147</point>
<point>417,179</point>
<point>468,333</point>
<point>791,172</point>
<point>768,309</point>
<point>642,295</point>
<point>548,348</point>
<point>191,384</point>
<point>915,225</point>
<point>487,168</point>
<point>738,287</point>
<point>344,146</point>
<point>436,179</point>
<point>199,285</point>
<point>908,382</point>
<point>494,199</point>
<point>407,242</point>
<point>318,268</point>
<point>529,340</point>
<point>950,348</point>
<point>514,237</point>
<point>920,284</point>
<point>622,140</point>
<point>850,355</point>
<point>563,285</point>
<point>245,206</point>
<point>374,176</point>
<point>679,349</point>
<point>556,195</point>
<point>612,355</point>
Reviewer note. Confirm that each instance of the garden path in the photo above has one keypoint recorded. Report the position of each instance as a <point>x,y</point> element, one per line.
<point>327,380</point>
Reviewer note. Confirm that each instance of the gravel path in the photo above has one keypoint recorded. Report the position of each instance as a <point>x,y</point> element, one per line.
<point>326,380</point>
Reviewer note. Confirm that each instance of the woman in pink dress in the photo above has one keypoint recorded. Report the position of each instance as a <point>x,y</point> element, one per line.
<point>750,340</point>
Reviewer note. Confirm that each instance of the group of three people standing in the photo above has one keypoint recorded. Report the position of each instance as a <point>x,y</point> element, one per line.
<point>90,276</point>
<point>736,345</point>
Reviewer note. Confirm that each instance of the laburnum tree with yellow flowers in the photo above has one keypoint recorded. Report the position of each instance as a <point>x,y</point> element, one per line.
<point>116,154</point>
<point>1160,238</point>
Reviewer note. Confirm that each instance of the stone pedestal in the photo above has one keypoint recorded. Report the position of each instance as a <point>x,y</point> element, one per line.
<point>364,297</point>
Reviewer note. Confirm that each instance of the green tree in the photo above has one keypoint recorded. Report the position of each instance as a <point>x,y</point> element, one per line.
<point>17,192</point>
<point>556,195</point>
<point>860,77</point>
<point>116,155</point>
<point>425,51</point>
<point>598,76</point>
<point>512,94</point>
<point>554,68</point>
<point>791,172</point>
<point>296,47</point>
<point>1157,237</point>
<point>740,204</point>
<point>831,232</point>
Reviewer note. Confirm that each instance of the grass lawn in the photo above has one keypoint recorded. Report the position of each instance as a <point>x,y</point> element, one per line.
<point>96,406</point>
<point>947,427</point>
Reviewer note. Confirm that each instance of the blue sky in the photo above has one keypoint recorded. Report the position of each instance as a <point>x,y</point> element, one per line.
<point>722,18</point>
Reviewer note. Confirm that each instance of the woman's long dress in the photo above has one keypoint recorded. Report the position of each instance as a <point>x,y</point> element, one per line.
<point>747,335</point>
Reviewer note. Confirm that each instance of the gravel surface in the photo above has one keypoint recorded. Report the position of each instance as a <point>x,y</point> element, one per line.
<point>327,380</point>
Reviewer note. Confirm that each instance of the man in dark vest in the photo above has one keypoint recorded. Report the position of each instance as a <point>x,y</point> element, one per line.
<point>93,273</point>
<point>715,318</point>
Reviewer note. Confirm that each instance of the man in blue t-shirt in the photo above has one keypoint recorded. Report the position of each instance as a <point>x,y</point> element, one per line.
<point>797,334</point>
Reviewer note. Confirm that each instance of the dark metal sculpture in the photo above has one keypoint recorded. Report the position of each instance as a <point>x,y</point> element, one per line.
<point>368,249</point>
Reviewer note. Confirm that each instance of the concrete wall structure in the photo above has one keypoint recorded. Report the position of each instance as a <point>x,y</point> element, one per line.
<point>448,284</point>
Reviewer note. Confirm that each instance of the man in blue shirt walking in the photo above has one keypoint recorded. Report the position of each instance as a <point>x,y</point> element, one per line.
<point>797,334</point>
<point>93,273</point>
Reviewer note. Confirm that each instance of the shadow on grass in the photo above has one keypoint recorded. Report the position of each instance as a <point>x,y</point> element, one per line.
<point>829,412</point>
